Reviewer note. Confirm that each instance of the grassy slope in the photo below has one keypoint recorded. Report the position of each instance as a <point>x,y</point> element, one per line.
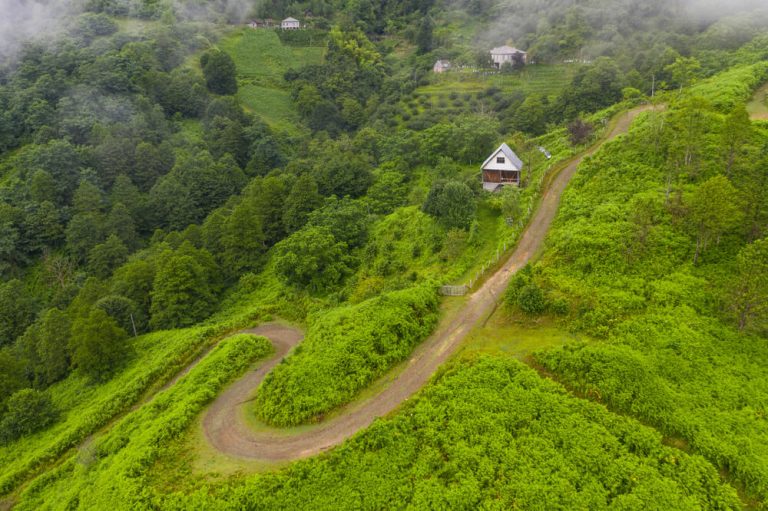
<point>671,360</point>
<point>261,61</point>
<point>488,433</point>
<point>86,407</point>
<point>758,105</point>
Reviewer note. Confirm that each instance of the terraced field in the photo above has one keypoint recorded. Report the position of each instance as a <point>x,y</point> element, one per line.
<point>534,79</point>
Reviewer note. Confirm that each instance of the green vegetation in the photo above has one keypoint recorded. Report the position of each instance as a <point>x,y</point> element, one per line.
<point>261,61</point>
<point>119,459</point>
<point>166,181</point>
<point>344,351</point>
<point>653,255</point>
<point>481,418</point>
<point>84,407</point>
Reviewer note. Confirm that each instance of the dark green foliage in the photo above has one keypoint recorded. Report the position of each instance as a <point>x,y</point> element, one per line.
<point>424,35</point>
<point>134,281</point>
<point>344,351</point>
<point>97,344</point>
<point>124,311</point>
<point>26,411</point>
<point>345,218</point>
<point>750,291</point>
<point>17,311</point>
<point>219,71</point>
<point>301,201</point>
<point>84,231</point>
<point>45,347</point>
<point>12,377</point>
<point>181,294</point>
<point>531,299</point>
<point>313,259</point>
<point>594,87</point>
<point>104,258</point>
<point>452,203</point>
<point>342,174</point>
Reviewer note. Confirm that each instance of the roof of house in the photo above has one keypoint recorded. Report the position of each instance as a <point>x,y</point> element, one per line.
<point>505,50</point>
<point>509,153</point>
<point>443,63</point>
<point>289,19</point>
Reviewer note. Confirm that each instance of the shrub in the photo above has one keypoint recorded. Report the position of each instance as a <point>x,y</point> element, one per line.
<point>531,299</point>
<point>343,352</point>
<point>27,411</point>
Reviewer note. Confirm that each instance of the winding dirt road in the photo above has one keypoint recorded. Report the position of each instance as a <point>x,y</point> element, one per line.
<point>224,423</point>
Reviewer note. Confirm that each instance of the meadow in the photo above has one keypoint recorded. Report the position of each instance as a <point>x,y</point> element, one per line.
<point>262,60</point>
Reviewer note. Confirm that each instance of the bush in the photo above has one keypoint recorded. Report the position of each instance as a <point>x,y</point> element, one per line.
<point>531,299</point>
<point>343,352</point>
<point>27,411</point>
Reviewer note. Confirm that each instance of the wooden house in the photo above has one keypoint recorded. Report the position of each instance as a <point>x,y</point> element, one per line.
<point>502,168</point>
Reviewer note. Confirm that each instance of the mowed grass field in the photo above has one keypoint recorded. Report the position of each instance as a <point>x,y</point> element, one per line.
<point>261,61</point>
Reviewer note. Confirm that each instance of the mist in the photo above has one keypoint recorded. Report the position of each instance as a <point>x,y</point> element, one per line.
<point>32,20</point>
<point>516,22</point>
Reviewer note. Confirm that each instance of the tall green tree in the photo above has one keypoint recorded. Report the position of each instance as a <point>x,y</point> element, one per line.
<point>181,294</point>
<point>749,298</point>
<point>105,257</point>
<point>27,411</point>
<point>452,203</point>
<point>45,346</point>
<point>713,209</point>
<point>17,311</point>
<point>313,259</point>
<point>219,71</point>
<point>98,345</point>
<point>301,201</point>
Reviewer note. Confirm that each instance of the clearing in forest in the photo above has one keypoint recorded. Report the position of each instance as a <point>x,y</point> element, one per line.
<point>262,60</point>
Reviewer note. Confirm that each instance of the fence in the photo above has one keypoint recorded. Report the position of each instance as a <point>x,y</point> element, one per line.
<point>453,290</point>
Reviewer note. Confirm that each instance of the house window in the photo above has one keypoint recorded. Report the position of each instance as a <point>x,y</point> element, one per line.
<point>500,159</point>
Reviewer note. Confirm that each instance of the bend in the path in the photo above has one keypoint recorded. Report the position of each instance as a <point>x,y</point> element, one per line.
<point>223,422</point>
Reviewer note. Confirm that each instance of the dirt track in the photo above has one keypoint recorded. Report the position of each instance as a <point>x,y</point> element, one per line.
<point>223,422</point>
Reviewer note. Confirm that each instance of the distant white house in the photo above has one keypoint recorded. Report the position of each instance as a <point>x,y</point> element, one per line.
<point>441,66</point>
<point>290,24</point>
<point>504,54</point>
<point>502,168</point>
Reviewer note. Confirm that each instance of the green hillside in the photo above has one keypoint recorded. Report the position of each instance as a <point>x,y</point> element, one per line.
<point>258,269</point>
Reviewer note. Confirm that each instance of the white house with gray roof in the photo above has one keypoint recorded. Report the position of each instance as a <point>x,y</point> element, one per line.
<point>504,54</point>
<point>290,24</point>
<point>502,168</point>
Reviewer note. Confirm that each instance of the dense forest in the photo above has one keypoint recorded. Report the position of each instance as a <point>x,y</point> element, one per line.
<point>170,176</point>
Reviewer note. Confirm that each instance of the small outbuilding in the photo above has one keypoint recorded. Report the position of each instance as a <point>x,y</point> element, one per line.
<point>502,168</point>
<point>441,66</point>
<point>290,24</point>
<point>504,54</point>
